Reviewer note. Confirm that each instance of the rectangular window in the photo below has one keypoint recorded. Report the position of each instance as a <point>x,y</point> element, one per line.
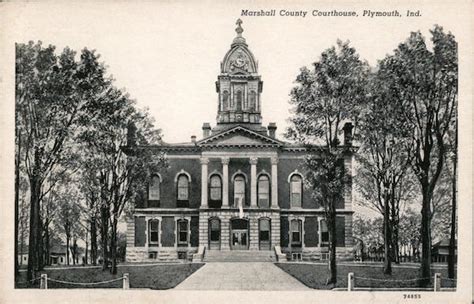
<point>324,233</point>
<point>296,232</point>
<point>153,232</point>
<point>183,232</point>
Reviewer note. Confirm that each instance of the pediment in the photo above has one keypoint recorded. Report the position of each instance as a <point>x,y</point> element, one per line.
<point>239,136</point>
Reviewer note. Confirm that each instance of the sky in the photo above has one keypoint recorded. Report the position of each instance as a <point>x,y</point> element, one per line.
<point>167,54</point>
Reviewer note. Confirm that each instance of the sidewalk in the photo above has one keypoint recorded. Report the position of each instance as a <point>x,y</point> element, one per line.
<point>241,276</point>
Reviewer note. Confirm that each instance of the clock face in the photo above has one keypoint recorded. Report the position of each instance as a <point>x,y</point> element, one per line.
<point>240,60</point>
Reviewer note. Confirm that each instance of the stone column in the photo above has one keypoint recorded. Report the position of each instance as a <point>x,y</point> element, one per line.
<point>274,189</point>
<point>253,181</point>
<point>204,163</point>
<point>225,182</point>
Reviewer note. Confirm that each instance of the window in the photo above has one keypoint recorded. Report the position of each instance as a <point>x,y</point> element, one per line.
<point>153,232</point>
<point>225,100</point>
<point>295,190</point>
<point>183,232</point>
<point>183,190</point>
<point>154,188</point>
<point>263,191</point>
<point>238,98</point>
<point>216,188</point>
<point>324,233</point>
<point>253,100</point>
<point>239,190</point>
<point>295,230</point>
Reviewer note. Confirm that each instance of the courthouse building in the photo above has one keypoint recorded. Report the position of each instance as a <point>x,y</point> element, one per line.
<point>239,188</point>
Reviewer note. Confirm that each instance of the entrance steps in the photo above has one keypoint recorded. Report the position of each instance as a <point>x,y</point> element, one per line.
<point>239,256</point>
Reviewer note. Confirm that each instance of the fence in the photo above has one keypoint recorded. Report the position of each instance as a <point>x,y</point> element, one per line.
<point>351,282</point>
<point>44,281</point>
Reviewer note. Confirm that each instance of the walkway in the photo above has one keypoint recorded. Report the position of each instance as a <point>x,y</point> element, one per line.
<point>241,276</point>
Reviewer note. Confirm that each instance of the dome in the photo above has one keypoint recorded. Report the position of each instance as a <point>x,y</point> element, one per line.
<point>239,59</point>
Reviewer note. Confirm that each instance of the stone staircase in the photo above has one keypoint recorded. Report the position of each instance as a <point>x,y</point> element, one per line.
<point>239,256</point>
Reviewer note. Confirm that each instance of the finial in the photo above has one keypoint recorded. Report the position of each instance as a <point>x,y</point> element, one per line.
<point>239,28</point>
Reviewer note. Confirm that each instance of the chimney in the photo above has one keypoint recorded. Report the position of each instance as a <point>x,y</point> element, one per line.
<point>193,138</point>
<point>348,126</point>
<point>131,134</point>
<point>206,130</point>
<point>272,129</point>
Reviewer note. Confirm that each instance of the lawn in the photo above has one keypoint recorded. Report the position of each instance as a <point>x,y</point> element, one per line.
<point>315,275</point>
<point>147,276</point>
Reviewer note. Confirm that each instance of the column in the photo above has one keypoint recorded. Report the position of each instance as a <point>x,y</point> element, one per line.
<point>204,163</point>
<point>253,181</point>
<point>225,182</point>
<point>274,189</point>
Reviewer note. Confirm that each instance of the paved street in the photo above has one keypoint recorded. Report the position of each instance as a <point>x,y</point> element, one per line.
<point>241,276</point>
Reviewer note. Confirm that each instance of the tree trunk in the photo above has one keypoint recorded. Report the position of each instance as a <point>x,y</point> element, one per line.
<point>67,249</point>
<point>46,246</point>
<point>426,237</point>
<point>331,221</point>
<point>452,239</point>
<point>93,241</point>
<point>34,222</point>
<point>113,246</point>
<point>74,251</point>
<point>387,264</point>
<point>104,213</point>
<point>86,261</point>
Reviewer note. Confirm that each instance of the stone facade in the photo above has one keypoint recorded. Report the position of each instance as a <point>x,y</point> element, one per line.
<point>237,188</point>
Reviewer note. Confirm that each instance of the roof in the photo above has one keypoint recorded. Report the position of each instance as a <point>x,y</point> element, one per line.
<point>444,243</point>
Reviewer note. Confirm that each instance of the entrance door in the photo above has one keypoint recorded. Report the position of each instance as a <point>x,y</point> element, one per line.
<point>240,240</point>
<point>264,234</point>
<point>239,234</point>
<point>214,234</point>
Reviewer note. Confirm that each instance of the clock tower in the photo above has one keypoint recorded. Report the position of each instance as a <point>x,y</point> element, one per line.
<point>239,87</point>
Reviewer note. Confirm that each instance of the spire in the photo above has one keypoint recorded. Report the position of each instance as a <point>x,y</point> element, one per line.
<point>239,30</point>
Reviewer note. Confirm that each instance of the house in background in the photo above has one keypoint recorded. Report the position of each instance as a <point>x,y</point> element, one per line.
<point>440,251</point>
<point>239,188</point>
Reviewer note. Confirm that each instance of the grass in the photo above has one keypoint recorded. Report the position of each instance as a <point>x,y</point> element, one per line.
<point>315,276</point>
<point>149,276</point>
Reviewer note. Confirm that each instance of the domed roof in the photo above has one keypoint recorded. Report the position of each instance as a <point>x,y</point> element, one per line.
<point>239,59</point>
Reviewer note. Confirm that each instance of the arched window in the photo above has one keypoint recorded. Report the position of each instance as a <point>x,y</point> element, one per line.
<point>215,191</point>
<point>238,99</point>
<point>296,187</point>
<point>154,188</point>
<point>253,100</point>
<point>153,232</point>
<point>183,190</point>
<point>239,190</point>
<point>225,100</point>
<point>263,191</point>
<point>295,232</point>
<point>183,232</point>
